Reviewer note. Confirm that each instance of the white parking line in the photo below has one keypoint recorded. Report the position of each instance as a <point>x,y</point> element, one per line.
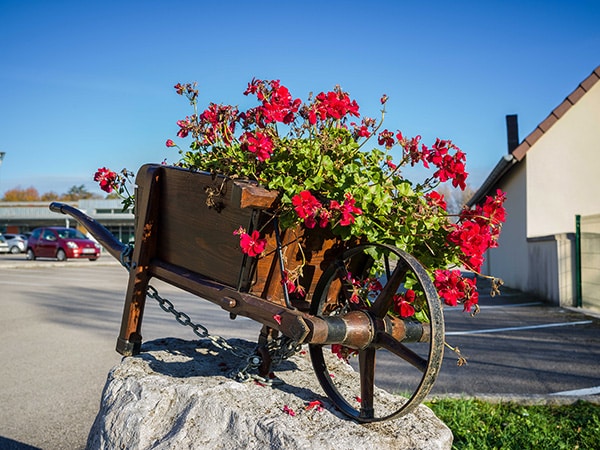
<point>528,327</point>
<point>578,392</point>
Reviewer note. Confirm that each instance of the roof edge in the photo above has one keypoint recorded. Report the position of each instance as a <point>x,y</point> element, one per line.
<point>503,166</point>
<point>556,114</point>
<point>518,154</point>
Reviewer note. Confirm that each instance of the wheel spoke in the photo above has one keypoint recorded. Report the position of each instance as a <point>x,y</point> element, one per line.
<point>384,300</point>
<point>401,350</point>
<point>366,362</point>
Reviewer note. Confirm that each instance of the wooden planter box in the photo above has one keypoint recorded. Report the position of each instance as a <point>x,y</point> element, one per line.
<point>191,218</point>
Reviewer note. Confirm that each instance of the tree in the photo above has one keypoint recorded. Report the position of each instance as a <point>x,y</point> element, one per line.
<point>49,196</point>
<point>17,194</point>
<point>455,198</point>
<point>31,195</point>
<point>78,193</point>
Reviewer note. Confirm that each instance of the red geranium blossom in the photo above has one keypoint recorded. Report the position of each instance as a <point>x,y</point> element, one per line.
<point>342,352</point>
<point>403,304</point>
<point>307,207</point>
<point>184,127</point>
<point>251,244</point>
<point>288,410</point>
<point>335,105</point>
<point>348,210</point>
<point>258,143</point>
<point>317,404</point>
<point>436,199</point>
<point>386,138</point>
<point>107,179</point>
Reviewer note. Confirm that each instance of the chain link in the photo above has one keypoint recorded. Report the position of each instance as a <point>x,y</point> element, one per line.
<point>279,349</point>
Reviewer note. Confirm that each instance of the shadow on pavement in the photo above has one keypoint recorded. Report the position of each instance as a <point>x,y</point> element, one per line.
<point>9,444</point>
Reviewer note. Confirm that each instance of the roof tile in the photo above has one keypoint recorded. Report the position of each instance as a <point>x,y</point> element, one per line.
<point>576,95</point>
<point>548,122</point>
<point>561,109</point>
<point>521,150</point>
<point>534,136</point>
<point>591,80</point>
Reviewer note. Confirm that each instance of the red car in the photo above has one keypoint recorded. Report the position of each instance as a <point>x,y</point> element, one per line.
<point>61,243</point>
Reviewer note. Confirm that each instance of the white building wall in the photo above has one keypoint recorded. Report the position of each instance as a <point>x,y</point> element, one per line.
<point>562,170</point>
<point>510,260</point>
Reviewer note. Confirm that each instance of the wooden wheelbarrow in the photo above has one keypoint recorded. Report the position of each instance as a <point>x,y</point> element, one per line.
<point>184,223</point>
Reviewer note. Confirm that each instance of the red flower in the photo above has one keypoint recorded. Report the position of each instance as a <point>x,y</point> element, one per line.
<point>347,209</point>
<point>411,150</point>
<point>453,288</point>
<point>450,167</point>
<point>317,404</point>
<point>107,179</point>
<point>493,208</point>
<point>474,239</point>
<point>436,199</point>
<point>332,105</point>
<point>258,143</point>
<point>253,86</point>
<point>288,410</point>
<point>280,107</point>
<point>403,303</point>
<point>342,352</point>
<point>289,284</point>
<point>179,88</point>
<point>386,138</point>
<point>307,207</point>
<point>472,297</point>
<point>170,143</point>
<point>185,126</point>
<point>252,245</point>
<point>277,102</point>
<point>324,217</point>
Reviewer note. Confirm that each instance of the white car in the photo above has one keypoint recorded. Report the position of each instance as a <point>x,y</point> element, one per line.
<point>17,243</point>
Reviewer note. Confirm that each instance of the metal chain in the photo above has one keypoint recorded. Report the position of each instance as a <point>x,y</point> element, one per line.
<point>279,349</point>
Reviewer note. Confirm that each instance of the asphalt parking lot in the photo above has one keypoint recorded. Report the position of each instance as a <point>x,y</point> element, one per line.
<point>60,322</point>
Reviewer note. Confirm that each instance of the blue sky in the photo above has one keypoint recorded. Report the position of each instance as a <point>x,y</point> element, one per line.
<point>89,84</point>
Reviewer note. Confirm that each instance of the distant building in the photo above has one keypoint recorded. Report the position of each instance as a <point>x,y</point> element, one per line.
<point>20,217</point>
<point>549,178</point>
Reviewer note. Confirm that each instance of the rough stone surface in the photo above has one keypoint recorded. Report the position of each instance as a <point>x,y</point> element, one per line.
<point>177,394</point>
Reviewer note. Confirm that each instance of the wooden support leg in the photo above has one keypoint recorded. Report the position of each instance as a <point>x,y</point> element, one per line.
<point>146,238</point>
<point>130,337</point>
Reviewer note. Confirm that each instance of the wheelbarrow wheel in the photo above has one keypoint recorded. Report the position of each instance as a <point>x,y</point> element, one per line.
<point>373,278</point>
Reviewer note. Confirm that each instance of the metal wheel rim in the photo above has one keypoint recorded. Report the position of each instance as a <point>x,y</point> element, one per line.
<point>436,344</point>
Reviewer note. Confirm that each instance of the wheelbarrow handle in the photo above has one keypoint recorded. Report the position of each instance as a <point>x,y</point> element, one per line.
<point>100,233</point>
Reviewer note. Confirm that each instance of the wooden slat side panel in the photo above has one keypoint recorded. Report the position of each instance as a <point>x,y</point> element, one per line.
<point>196,228</point>
<point>198,215</point>
<point>319,250</point>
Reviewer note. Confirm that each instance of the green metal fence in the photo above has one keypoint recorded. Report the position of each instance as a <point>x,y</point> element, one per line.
<point>587,261</point>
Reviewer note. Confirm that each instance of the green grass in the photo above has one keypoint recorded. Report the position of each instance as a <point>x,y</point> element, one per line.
<point>479,425</point>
